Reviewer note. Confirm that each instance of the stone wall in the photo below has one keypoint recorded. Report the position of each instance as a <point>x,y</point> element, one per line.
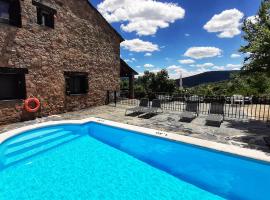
<point>81,41</point>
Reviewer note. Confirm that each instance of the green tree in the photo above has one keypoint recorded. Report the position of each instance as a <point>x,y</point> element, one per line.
<point>139,91</point>
<point>162,83</point>
<point>124,84</point>
<point>257,36</point>
<point>151,83</point>
<point>146,81</point>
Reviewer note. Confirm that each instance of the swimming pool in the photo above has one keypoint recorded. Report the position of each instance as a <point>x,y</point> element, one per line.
<point>96,161</point>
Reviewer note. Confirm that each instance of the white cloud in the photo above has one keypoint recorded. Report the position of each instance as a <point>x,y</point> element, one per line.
<point>137,45</point>
<point>127,60</point>
<point>228,67</point>
<point>140,74</point>
<point>148,54</point>
<point>203,52</point>
<point>253,19</point>
<point>219,68</point>
<point>155,70</point>
<point>173,67</point>
<point>148,65</point>
<point>131,60</point>
<point>226,23</point>
<point>234,55</point>
<point>234,66</point>
<point>205,65</point>
<point>144,17</point>
<point>187,61</point>
<point>248,54</point>
<point>175,71</point>
<point>187,34</point>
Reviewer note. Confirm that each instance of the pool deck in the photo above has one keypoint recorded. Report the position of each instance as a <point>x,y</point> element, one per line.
<point>247,134</point>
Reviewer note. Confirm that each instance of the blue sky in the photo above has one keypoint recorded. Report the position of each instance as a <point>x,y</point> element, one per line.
<point>182,36</point>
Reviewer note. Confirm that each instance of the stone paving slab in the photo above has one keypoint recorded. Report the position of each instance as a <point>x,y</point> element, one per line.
<point>248,134</point>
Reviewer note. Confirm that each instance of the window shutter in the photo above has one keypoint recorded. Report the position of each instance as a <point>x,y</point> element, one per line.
<point>45,17</point>
<point>50,20</point>
<point>76,83</point>
<point>68,89</point>
<point>15,13</point>
<point>86,84</point>
<point>22,86</point>
<point>39,16</point>
<point>14,86</point>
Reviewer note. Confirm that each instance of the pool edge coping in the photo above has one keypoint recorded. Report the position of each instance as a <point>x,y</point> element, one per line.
<point>225,148</point>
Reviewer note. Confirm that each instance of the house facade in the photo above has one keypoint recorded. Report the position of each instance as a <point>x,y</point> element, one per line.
<point>62,52</point>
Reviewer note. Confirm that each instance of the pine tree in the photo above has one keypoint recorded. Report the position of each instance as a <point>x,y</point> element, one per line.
<point>257,35</point>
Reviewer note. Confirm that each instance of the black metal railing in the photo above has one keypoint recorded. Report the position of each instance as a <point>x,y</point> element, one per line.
<point>237,106</point>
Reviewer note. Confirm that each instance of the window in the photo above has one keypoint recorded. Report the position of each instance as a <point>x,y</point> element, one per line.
<point>4,10</point>
<point>45,18</point>
<point>76,83</point>
<point>45,15</point>
<point>10,12</point>
<point>12,84</point>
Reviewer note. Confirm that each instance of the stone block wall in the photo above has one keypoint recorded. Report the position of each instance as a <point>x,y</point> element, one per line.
<point>82,41</point>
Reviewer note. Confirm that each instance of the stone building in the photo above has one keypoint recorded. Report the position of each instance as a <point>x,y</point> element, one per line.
<point>61,51</point>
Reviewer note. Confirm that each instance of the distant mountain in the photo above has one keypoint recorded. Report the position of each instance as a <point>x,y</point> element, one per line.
<point>206,77</point>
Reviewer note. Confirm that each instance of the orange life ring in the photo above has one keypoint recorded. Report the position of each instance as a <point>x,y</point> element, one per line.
<point>30,101</point>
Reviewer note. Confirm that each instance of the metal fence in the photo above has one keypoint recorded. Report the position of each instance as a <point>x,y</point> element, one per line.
<point>237,106</point>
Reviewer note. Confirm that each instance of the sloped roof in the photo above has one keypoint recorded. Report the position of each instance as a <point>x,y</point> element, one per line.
<point>94,8</point>
<point>126,70</point>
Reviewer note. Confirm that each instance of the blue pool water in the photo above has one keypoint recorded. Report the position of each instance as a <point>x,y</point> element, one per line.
<point>95,161</point>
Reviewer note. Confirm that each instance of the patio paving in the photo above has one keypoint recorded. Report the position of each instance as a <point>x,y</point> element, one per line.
<point>244,133</point>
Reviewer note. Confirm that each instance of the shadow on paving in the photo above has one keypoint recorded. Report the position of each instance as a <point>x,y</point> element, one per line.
<point>258,134</point>
<point>148,116</point>
<point>250,127</point>
<point>134,114</point>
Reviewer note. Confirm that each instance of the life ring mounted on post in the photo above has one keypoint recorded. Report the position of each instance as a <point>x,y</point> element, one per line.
<point>32,105</point>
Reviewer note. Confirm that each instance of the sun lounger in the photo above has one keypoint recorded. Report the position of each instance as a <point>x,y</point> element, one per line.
<point>216,114</point>
<point>143,105</point>
<point>191,111</point>
<point>156,106</point>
